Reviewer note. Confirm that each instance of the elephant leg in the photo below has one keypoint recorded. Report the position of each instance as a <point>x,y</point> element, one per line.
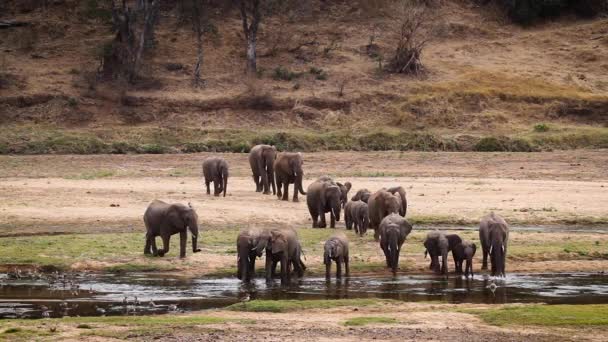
<point>166,240</point>
<point>207,185</point>
<point>268,266</point>
<point>444,263</point>
<point>328,268</point>
<point>339,267</point>
<point>183,240</point>
<point>256,180</point>
<point>346,266</point>
<point>285,191</point>
<point>148,244</point>
<point>295,193</point>
<point>274,268</point>
<point>216,188</point>
<point>484,264</point>
<point>284,267</point>
<point>376,234</point>
<point>332,220</point>
<point>322,223</point>
<point>251,267</point>
<point>153,245</point>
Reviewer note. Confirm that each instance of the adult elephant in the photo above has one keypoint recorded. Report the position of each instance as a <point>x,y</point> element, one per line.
<point>261,159</point>
<point>394,229</point>
<point>464,251</point>
<point>323,196</point>
<point>288,170</point>
<point>362,195</point>
<point>164,219</point>
<point>284,247</point>
<point>398,190</point>
<point>250,244</point>
<point>215,170</point>
<point>494,236</point>
<point>344,189</point>
<point>438,244</point>
<point>381,204</point>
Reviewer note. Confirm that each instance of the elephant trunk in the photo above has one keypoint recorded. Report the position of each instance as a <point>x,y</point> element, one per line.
<point>194,230</point>
<point>393,249</point>
<point>497,255</point>
<point>299,177</point>
<point>336,211</point>
<point>225,180</point>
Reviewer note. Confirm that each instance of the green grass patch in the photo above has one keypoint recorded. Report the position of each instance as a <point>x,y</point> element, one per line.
<point>546,315</point>
<point>359,321</point>
<point>296,305</point>
<point>92,175</point>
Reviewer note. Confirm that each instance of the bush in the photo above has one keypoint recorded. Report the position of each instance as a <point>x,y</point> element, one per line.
<point>541,127</point>
<point>153,149</point>
<point>284,74</point>
<point>502,144</point>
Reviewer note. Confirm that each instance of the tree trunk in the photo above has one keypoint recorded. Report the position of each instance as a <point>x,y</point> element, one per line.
<point>251,55</point>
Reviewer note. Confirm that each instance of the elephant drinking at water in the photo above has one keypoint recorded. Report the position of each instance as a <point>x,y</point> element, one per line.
<point>494,236</point>
<point>394,229</point>
<point>250,244</point>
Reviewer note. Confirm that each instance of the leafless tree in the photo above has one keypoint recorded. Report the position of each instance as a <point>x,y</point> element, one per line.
<point>122,58</point>
<point>251,16</point>
<point>199,20</point>
<point>413,34</point>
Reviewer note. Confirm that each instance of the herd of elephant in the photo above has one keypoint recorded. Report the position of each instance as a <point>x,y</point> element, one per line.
<point>383,211</point>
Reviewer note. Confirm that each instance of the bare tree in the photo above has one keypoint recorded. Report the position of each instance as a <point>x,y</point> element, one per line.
<point>199,20</point>
<point>412,37</point>
<point>251,16</point>
<point>123,56</point>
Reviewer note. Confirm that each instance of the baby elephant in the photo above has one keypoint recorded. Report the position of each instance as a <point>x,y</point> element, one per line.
<point>336,249</point>
<point>461,252</point>
<point>215,170</point>
<point>356,214</point>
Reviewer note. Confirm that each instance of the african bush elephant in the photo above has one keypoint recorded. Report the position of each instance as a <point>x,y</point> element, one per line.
<point>344,188</point>
<point>336,249</point>
<point>356,214</point>
<point>284,247</point>
<point>163,219</point>
<point>461,252</point>
<point>362,195</point>
<point>216,170</point>
<point>401,191</point>
<point>394,229</point>
<point>323,197</point>
<point>250,244</point>
<point>494,236</point>
<point>261,159</point>
<point>438,244</point>
<point>381,204</point>
<point>288,170</point>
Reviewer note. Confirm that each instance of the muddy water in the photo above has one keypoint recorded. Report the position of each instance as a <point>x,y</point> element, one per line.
<point>136,294</point>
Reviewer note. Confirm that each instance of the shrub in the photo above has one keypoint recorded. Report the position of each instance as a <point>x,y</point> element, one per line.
<point>153,149</point>
<point>284,74</point>
<point>541,127</point>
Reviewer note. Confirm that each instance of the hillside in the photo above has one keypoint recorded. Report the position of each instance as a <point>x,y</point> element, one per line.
<point>541,87</point>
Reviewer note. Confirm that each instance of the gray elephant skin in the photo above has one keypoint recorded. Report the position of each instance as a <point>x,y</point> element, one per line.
<point>164,219</point>
<point>250,244</point>
<point>362,195</point>
<point>438,244</point>
<point>284,247</point>
<point>336,250</point>
<point>215,170</point>
<point>381,204</point>
<point>344,188</point>
<point>356,214</point>
<point>394,229</point>
<point>400,191</point>
<point>323,196</point>
<point>494,236</point>
<point>288,170</point>
<point>261,160</point>
<point>464,251</point>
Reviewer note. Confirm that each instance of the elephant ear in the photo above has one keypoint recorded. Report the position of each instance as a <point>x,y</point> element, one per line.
<point>174,217</point>
<point>348,186</point>
<point>279,243</point>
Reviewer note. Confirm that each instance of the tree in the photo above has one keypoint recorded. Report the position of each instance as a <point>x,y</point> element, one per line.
<point>199,20</point>
<point>122,58</point>
<point>251,16</point>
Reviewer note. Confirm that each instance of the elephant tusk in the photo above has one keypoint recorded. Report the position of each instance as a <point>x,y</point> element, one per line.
<point>503,248</point>
<point>491,249</point>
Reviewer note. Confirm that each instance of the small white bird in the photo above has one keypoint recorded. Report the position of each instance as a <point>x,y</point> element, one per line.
<point>152,304</point>
<point>46,314</point>
<point>100,311</point>
<point>492,287</point>
<point>246,298</point>
<point>172,307</point>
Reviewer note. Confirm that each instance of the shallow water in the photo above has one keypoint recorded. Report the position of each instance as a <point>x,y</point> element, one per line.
<point>89,295</point>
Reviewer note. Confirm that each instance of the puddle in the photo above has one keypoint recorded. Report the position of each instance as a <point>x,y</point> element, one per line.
<point>98,294</point>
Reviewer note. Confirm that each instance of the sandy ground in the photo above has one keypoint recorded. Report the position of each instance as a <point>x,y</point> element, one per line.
<point>110,193</point>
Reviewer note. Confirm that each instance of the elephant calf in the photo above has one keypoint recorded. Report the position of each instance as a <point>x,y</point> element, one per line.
<point>336,249</point>
<point>494,236</point>
<point>356,214</point>
<point>394,229</point>
<point>461,252</point>
<point>216,170</point>
<point>250,244</point>
<point>440,244</point>
<point>362,195</point>
<point>381,204</point>
<point>163,219</point>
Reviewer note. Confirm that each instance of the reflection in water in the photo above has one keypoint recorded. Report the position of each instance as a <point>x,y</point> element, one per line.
<point>137,294</point>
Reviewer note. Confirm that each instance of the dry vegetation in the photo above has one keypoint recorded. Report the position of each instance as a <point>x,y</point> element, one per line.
<point>322,81</point>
